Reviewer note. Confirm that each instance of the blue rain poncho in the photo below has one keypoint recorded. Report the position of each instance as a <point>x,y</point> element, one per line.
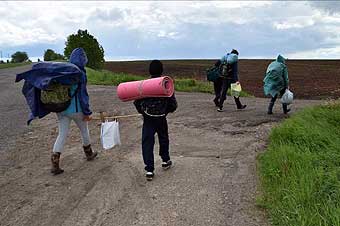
<point>43,74</point>
<point>276,78</point>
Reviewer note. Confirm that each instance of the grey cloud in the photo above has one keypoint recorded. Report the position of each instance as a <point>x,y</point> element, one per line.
<point>110,15</point>
<point>332,7</point>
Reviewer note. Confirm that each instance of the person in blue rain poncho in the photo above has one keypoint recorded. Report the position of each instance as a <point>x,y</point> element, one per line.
<point>276,82</point>
<point>74,74</point>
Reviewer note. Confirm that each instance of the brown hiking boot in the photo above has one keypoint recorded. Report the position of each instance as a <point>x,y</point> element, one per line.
<point>90,155</point>
<point>55,158</point>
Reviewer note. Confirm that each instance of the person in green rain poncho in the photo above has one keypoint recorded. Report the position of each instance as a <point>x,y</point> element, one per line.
<point>276,82</point>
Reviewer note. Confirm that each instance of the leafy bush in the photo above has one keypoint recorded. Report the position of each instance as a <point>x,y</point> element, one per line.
<point>50,55</point>
<point>94,51</point>
<point>19,57</point>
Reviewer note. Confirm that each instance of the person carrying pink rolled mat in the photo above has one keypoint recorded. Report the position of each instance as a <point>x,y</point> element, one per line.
<point>154,111</point>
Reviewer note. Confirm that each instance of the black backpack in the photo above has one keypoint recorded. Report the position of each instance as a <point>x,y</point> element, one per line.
<point>155,107</point>
<point>213,74</point>
<point>226,70</point>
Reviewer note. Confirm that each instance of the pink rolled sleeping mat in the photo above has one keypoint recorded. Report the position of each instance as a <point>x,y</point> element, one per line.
<point>154,87</point>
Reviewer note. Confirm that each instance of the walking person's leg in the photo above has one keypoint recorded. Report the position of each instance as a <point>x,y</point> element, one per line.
<point>284,106</point>
<point>148,142</point>
<point>223,95</point>
<point>85,135</point>
<point>63,128</point>
<point>236,99</point>
<point>217,89</point>
<point>239,104</point>
<point>163,138</point>
<point>271,105</point>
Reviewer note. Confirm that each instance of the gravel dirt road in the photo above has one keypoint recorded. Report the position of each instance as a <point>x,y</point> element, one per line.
<point>213,181</point>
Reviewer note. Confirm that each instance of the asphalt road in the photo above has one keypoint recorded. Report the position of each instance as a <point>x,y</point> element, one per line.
<point>13,108</point>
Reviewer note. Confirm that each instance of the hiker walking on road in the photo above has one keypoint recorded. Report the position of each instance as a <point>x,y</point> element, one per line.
<point>276,82</point>
<point>61,88</point>
<point>229,75</point>
<point>78,111</point>
<point>154,111</point>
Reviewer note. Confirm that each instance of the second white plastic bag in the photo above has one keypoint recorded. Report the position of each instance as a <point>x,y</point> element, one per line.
<point>287,97</point>
<point>109,135</point>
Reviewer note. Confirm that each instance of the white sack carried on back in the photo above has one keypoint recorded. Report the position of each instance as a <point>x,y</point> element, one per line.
<point>109,134</point>
<point>287,97</point>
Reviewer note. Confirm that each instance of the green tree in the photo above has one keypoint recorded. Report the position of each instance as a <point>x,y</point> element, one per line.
<point>19,57</point>
<point>50,55</point>
<point>94,51</point>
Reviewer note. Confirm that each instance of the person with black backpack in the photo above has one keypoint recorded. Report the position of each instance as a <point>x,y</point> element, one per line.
<point>78,111</point>
<point>229,75</point>
<point>154,111</point>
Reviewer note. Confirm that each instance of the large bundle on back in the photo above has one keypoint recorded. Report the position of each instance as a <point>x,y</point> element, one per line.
<point>46,87</point>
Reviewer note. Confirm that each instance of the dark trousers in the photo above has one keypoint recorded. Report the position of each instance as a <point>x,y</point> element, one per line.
<point>272,102</point>
<point>151,126</point>
<point>221,87</point>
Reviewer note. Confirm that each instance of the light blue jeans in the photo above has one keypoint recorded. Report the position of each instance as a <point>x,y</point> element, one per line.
<point>64,121</point>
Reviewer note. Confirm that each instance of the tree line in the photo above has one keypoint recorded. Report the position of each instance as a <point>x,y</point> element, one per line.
<point>82,38</point>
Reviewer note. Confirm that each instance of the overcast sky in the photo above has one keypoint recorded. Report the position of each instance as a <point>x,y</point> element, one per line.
<point>172,30</point>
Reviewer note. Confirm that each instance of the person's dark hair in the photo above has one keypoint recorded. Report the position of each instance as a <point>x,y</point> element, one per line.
<point>156,68</point>
<point>234,51</point>
<point>218,63</point>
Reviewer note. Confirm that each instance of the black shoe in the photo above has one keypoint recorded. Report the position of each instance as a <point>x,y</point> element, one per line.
<point>166,165</point>
<point>242,107</point>
<point>269,112</point>
<point>219,109</point>
<point>149,176</point>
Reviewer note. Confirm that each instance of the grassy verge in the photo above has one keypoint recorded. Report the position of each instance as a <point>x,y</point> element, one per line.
<point>300,171</point>
<point>9,65</point>
<point>186,85</point>
<point>108,78</point>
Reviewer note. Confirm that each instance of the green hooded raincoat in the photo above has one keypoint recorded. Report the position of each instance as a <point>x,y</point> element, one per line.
<point>276,78</point>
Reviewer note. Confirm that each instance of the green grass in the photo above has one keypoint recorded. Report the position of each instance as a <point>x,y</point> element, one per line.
<point>300,171</point>
<point>108,78</point>
<point>9,65</point>
<point>185,85</point>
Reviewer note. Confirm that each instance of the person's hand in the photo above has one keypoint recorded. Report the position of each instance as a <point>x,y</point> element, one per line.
<point>87,118</point>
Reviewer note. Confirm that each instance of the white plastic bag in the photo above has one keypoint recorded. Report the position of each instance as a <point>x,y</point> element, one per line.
<point>235,89</point>
<point>109,134</point>
<point>287,97</point>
